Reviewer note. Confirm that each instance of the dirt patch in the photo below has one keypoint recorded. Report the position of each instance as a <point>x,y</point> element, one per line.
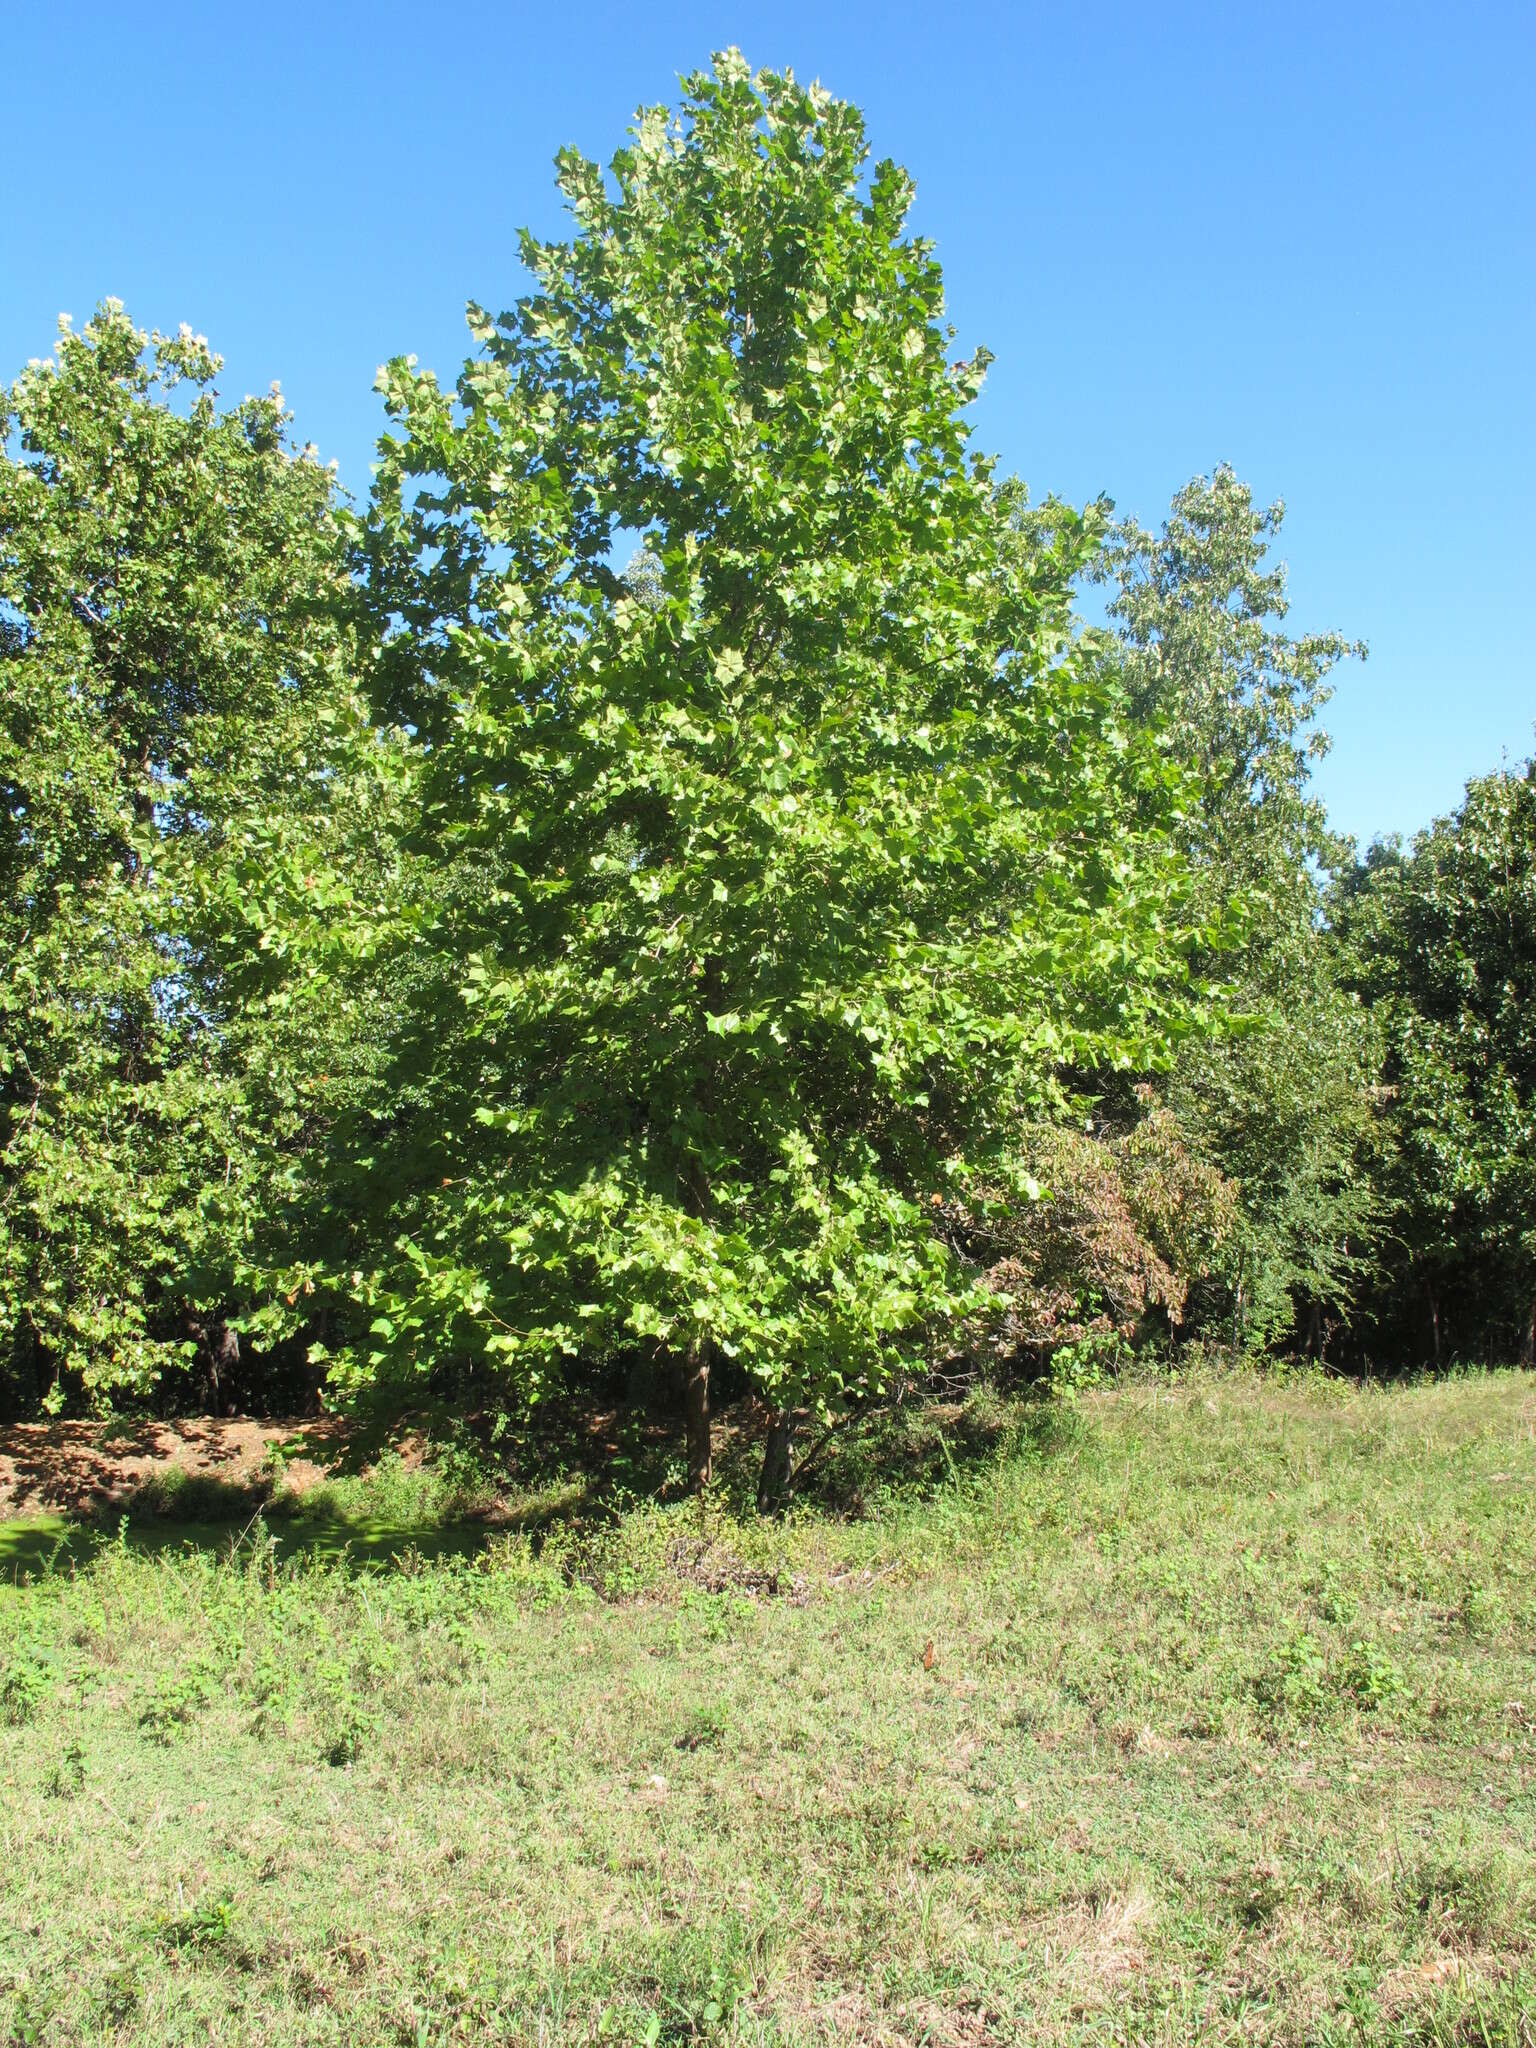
<point>1096,1943</point>
<point>1417,1985</point>
<point>92,1468</point>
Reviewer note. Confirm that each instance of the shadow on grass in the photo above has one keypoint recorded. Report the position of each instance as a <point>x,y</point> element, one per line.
<point>574,1475</point>
<point>40,1545</point>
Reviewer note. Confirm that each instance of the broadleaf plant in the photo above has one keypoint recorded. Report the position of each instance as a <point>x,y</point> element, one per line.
<point>780,877</point>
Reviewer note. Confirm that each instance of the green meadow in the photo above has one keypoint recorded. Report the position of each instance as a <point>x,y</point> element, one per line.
<point>1203,1711</point>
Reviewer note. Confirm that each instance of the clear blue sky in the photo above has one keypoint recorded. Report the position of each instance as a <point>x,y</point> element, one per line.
<point>1298,239</point>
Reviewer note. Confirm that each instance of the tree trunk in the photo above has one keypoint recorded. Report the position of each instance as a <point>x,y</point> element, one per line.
<point>1528,1348</point>
<point>221,1348</point>
<point>1434,1323</point>
<point>696,1415</point>
<point>778,1462</point>
<point>1315,1332</point>
<point>696,1366</point>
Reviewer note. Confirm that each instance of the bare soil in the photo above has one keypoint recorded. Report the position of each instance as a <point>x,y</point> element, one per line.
<point>90,1468</point>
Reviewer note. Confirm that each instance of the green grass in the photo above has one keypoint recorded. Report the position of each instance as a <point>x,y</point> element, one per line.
<point>1228,1733</point>
<point>37,1546</point>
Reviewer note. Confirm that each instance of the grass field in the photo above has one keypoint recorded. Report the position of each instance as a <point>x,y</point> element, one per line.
<point>1204,1712</point>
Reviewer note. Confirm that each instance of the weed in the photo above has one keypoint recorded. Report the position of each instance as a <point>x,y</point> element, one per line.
<point>120,1992</point>
<point>1482,1611</point>
<point>23,1687</point>
<point>208,1926</point>
<point>347,1737</point>
<point>1334,1603</point>
<point>1296,1681</point>
<point>1372,1675</point>
<point>66,1778</point>
<point>177,1698</point>
<point>706,1729</point>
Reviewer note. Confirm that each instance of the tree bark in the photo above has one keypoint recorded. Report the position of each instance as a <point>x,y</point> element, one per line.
<point>1528,1348</point>
<point>778,1462</point>
<point>696,1366</point>
<point>1315,1332</point>
<point>1434,1323</point>
<point>696,1416</point>
<point>221,1348</point>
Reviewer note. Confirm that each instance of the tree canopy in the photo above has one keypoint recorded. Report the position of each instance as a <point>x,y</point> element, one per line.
<point>1282,1104</point>
<point>1443,946</point>
<point>674,880</point>
<point>175,635</point>
<point>781,879</point>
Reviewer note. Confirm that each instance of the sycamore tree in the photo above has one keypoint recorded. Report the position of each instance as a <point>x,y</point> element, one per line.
<point>776,883</point>
<point>175,642</point>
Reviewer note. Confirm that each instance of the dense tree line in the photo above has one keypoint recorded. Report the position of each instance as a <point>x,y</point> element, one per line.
<point>674,881</point>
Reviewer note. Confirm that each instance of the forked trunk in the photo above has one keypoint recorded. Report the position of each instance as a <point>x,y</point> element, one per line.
<point>778,1462</point>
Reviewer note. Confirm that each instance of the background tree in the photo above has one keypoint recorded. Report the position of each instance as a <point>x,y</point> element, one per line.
<point>174,636</point>
<point>1284,1107</point>
<point>776,892</point>
<point>1443,942</point>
